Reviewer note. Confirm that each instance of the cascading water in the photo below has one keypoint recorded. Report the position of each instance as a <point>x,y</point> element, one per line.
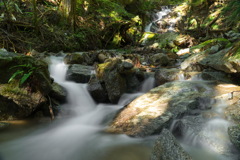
<point>80,137</point>
<point>204,136</point>
<point>156,17</point>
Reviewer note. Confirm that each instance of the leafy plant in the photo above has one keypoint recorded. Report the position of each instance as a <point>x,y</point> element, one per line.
<point>233,8</point>
<point>23,73</point>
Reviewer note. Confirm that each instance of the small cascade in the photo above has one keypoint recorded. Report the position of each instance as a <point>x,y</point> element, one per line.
<point>81,137</point>
<point>162,21</point>
<point>206,133</point>
<point>148,84</point>
<point>157,17</point>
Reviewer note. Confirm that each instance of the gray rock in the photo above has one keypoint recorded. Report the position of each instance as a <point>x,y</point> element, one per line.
<point>102,57</point>
<point>151,112</point>
<point>97,91</point>
<point>20,102</point>
<point>74,58</point>
<point>166,75</point>
<point>167,148</point>
<point>58,93</point>
<point>214,75</point>
<point>90,57</point>
<point>159,59</point>
<point>114,82</point>
<point>214,49</point>
<point>79,73</point>
<point>192,62</point>
<point>234,135</point>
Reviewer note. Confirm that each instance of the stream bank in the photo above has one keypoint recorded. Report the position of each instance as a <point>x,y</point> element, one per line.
<point>193,103</point>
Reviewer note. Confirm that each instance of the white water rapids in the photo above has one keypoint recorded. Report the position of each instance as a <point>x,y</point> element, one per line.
<point>80,137</point>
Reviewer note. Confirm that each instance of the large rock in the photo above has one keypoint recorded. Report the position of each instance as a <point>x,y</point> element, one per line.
<point>225,60</point>
<point>151,112</point>
<point>166,75</point>
<point>97,90</point>
<point>167,148</point>
<point>213,75</point>
<point>234,135</point>
<point>58,93</point>
<point>192,62</point>
<point>17,103</point>
<point>114,82</point>
<point>74,58</point>
<point>19,100</point>
<point>79,73</point>
<point>159,59</point>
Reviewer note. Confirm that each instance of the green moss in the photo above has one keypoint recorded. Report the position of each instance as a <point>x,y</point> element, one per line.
<point>13,91</point>
<point>211,42</point>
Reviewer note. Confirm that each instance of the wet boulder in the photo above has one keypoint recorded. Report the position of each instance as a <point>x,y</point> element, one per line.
<point>114,82</point>
<point>97,90</point>
<point>90,57</point>
<point>151,112</point>
<point>79,73</point>
<point>58,93</point>
<point>224,60</point>
<point>192,63</point>
<point>27,91</point>
<point>17,103</point>
<point>167,147</point>
<point>159,59</point>
<point>213,75</point>
<point>234,135</point>
<point>166,75</point>
<point>74,58</point>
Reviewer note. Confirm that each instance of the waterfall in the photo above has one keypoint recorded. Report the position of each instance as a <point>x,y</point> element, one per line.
<point>81,137</point>
<point>159,17</point>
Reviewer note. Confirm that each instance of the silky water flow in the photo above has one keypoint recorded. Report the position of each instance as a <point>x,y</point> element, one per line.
<point>80,137</point>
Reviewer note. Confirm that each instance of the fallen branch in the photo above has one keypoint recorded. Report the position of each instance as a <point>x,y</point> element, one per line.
<point>50,108</point>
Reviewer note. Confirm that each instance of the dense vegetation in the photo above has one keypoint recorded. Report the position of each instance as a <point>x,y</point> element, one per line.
<point>70,25</point>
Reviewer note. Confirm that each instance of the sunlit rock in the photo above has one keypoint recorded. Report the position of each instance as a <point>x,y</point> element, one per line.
<point>166,75</point>
<point>167,148</point>
<point>151,112</point>
<point>234,134</point>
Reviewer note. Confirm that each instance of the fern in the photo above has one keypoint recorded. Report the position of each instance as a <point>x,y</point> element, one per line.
<point>233,8</point>
<point>23,73</point>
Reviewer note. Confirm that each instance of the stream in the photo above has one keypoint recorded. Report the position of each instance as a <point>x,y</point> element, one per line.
<point>81,135</point>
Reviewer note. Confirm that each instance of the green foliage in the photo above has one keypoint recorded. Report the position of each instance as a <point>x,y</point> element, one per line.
<point>11,6</point>
<point>232,10</point>
<point>107,8</point>
<point>23,73</point>
<point>211,42</point>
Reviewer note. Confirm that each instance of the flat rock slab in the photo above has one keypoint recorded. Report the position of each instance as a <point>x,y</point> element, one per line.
<point>151,112</point>
<point>79,73</point>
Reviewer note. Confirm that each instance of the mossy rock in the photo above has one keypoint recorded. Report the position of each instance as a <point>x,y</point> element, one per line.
<point>74,58</point>
<point>18,103</point>
<point>114,82</point>
<point>20,100</point>
<point>41,78</point>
